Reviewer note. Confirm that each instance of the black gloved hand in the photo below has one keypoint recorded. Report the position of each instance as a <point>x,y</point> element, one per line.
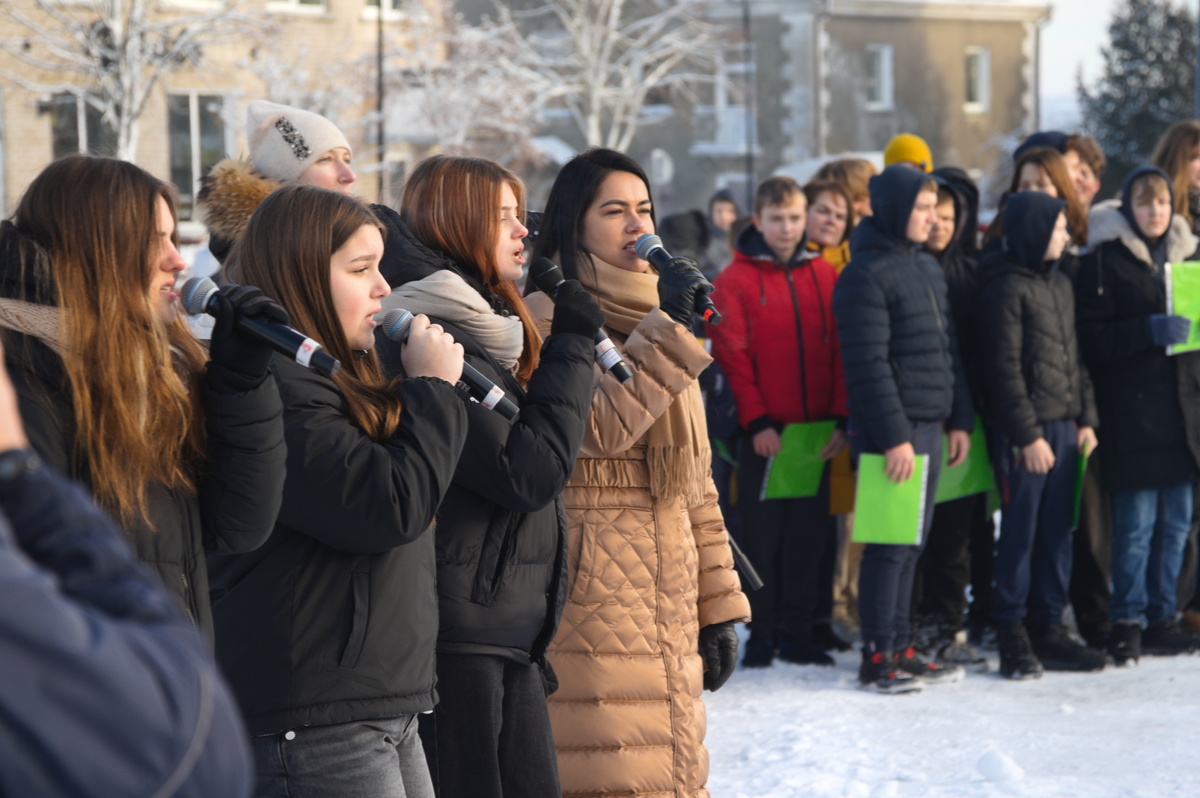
<point>718,649</point>
<point>680,283</point>
<point>575,311</point>
<point>1166,330</point>
<point>245,356</point>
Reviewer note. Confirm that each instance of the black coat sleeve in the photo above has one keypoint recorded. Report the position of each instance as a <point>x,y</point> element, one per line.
<point>522,465</point>
<point>1003,311</point>
<point>242,484</point>
<point>352,493</point>
<point>1104,338</point>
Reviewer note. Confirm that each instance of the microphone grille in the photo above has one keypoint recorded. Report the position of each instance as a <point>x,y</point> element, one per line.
<point>546,275</point>
<point>646,243</point>
<point>195,294</point>
<point>395,324</point>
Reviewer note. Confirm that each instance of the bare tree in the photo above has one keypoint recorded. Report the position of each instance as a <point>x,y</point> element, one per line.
<point>602,59</point>
<point>110,53</point>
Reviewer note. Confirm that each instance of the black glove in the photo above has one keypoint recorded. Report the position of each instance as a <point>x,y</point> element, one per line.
<point>1167,330</point>
<point>680,284</point>
<point>233,349</point>
<point>575,311</point>
<point>718,649</point>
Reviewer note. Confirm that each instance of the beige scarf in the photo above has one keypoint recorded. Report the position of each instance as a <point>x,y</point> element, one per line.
<point>678,455</point>
<point>446,296</point>
<point>40,321</point>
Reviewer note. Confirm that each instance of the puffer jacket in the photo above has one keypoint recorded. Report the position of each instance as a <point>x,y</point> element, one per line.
<point>1032,366</point>
<point>1149,402</point>
<point>899,349</point>
<point>645,575</point>
<point>778,343</point>
<point>501,530</point>
<point>228,195</point>
<point>960,264</point>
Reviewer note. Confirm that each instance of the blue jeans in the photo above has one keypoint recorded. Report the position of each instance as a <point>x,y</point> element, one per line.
<point>1150,528</point>
<point>381,758</point>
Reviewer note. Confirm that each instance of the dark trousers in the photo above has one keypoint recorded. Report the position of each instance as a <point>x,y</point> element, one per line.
<point>489,735</point>
<point>1091,571</point>
<point>1033,554</point>
<point>786,541</point>
<point>885,581</point>
<point>1188,589</point>
<point>959,554</point>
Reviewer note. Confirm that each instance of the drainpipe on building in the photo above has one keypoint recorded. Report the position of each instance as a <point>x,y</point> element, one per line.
<point>379,130</point>
<point>819,92</point>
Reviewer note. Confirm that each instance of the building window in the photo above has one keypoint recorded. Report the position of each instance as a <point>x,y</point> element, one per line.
<point>197,139</point>
<point>297,6</point>
<point>734,127</point>
<point>978,69</point>
<point>879,77</point>
<point>76,126</point>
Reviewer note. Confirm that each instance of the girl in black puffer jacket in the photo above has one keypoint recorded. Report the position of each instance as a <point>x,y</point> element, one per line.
<point>501,532</point>
<point>327,632</point>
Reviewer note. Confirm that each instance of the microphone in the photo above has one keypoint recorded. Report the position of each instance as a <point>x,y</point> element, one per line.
<point>548,277</point>
<point>395,325</point>
<point>199,296</point>
<point>650,247</point>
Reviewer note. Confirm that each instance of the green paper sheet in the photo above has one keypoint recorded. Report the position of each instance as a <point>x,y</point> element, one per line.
<point>1183,299</point>
<point>1081,465</point>
<point>966,479</point>
<point>796,471</point>
<point>885,512</point>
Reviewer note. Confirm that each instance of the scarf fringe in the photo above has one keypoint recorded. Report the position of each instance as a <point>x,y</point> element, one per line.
<point>678,471</point>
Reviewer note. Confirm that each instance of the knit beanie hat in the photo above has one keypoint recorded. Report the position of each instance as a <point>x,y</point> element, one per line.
<point>284,141</point>
<point>907,147</point>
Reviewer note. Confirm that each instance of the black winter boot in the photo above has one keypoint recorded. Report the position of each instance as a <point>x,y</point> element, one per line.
<point>1058,651</point>
<point>1165,638</point>
<point>760,650</point>
<point>879,673</point>
<point>824,636</point>
<point>1125,643</point>
<point>910,660</point>
<point>1017,660</point>
<point>802,651</point>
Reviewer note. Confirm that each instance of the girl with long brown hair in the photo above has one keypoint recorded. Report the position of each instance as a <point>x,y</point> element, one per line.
<point>1178,154</point>
<point>114,388</point>
<point>1043,169</point>
<point>501,537</point>
<point>327,632</point>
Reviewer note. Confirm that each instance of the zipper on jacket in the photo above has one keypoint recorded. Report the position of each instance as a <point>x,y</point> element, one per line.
<point>800,336</point>
<point>187,597</point>
<point>820,305</point>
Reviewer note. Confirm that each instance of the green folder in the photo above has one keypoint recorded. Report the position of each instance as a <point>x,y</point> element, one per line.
<point>1081,465</point>
<point>969,477</point>
<point>1183,299</point>
<point>885,512</point>
<point>796,471</point>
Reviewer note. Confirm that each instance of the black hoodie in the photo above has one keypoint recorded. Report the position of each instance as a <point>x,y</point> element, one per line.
<point>960,264</point>
<point>893,314</point>
<point>1032,369</point>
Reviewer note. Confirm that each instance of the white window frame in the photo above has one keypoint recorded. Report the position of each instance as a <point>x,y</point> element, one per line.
<point>393,10</point>
<point>298,8</point>
<point>885,80</point>
<point>983,91</point>
<point>193,96</point>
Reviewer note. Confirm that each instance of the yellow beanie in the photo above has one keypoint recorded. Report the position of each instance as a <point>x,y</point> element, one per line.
<point>907,147</point>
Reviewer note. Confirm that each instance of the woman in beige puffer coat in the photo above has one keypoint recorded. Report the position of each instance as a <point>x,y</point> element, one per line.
<point>650,563</point>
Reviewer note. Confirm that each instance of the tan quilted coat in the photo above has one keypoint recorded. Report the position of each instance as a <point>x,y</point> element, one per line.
<point>644,576</point>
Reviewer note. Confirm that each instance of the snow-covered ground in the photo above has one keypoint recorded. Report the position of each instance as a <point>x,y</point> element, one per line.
<point>791,730</point>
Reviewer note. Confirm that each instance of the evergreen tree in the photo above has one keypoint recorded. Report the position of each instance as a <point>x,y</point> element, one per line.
<point>1147,84</point>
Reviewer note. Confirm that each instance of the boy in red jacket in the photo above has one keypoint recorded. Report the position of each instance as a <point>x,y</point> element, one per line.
<point>778,347</point>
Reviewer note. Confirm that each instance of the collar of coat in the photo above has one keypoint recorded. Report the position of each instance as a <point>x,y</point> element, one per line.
<point>228,196</point>
<point>1106,223</point>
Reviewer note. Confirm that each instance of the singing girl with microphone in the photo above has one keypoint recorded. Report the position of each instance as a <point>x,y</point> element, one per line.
<point>327,632</point>
<point>501,532</point>
<point>653,597</point>
<point>183,447</point>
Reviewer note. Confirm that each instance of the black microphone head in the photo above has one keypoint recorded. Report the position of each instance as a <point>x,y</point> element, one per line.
<point>646,243</point>
<point>395,324</point>
<point>195,294</point>
<point>546,275</point>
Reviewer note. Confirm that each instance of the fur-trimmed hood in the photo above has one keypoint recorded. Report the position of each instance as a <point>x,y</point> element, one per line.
<point>227,199</point>
<point>1107,223</point>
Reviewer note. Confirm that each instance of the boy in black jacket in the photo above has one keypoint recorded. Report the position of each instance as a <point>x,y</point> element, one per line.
<point>904,382</point>
<point>1039,398</point>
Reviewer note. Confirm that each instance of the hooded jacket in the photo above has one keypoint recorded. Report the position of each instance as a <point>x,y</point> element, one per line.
<point>1149,402</point>
<point>778,342</point>
<point>501,529</point>
<point>899,349</point>
<point>1034,374</point>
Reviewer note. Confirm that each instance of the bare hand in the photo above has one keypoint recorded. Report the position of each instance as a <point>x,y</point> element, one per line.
<point>1038,457</point>
<point>958,444</point>
<point>1085,440</point>
<point>766,442</point>
<point>12,432</point>
<point>837,442</point>
<point>431,352</point>
<point>899,463</point>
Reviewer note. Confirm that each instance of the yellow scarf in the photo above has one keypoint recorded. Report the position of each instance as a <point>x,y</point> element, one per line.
<point>678,455</point>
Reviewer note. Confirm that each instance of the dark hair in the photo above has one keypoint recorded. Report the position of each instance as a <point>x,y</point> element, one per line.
<point>1088,150</point>
<point>777,190</point>
<point>572,194</point>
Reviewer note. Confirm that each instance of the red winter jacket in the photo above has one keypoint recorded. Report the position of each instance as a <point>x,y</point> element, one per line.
<point>778,343</point>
